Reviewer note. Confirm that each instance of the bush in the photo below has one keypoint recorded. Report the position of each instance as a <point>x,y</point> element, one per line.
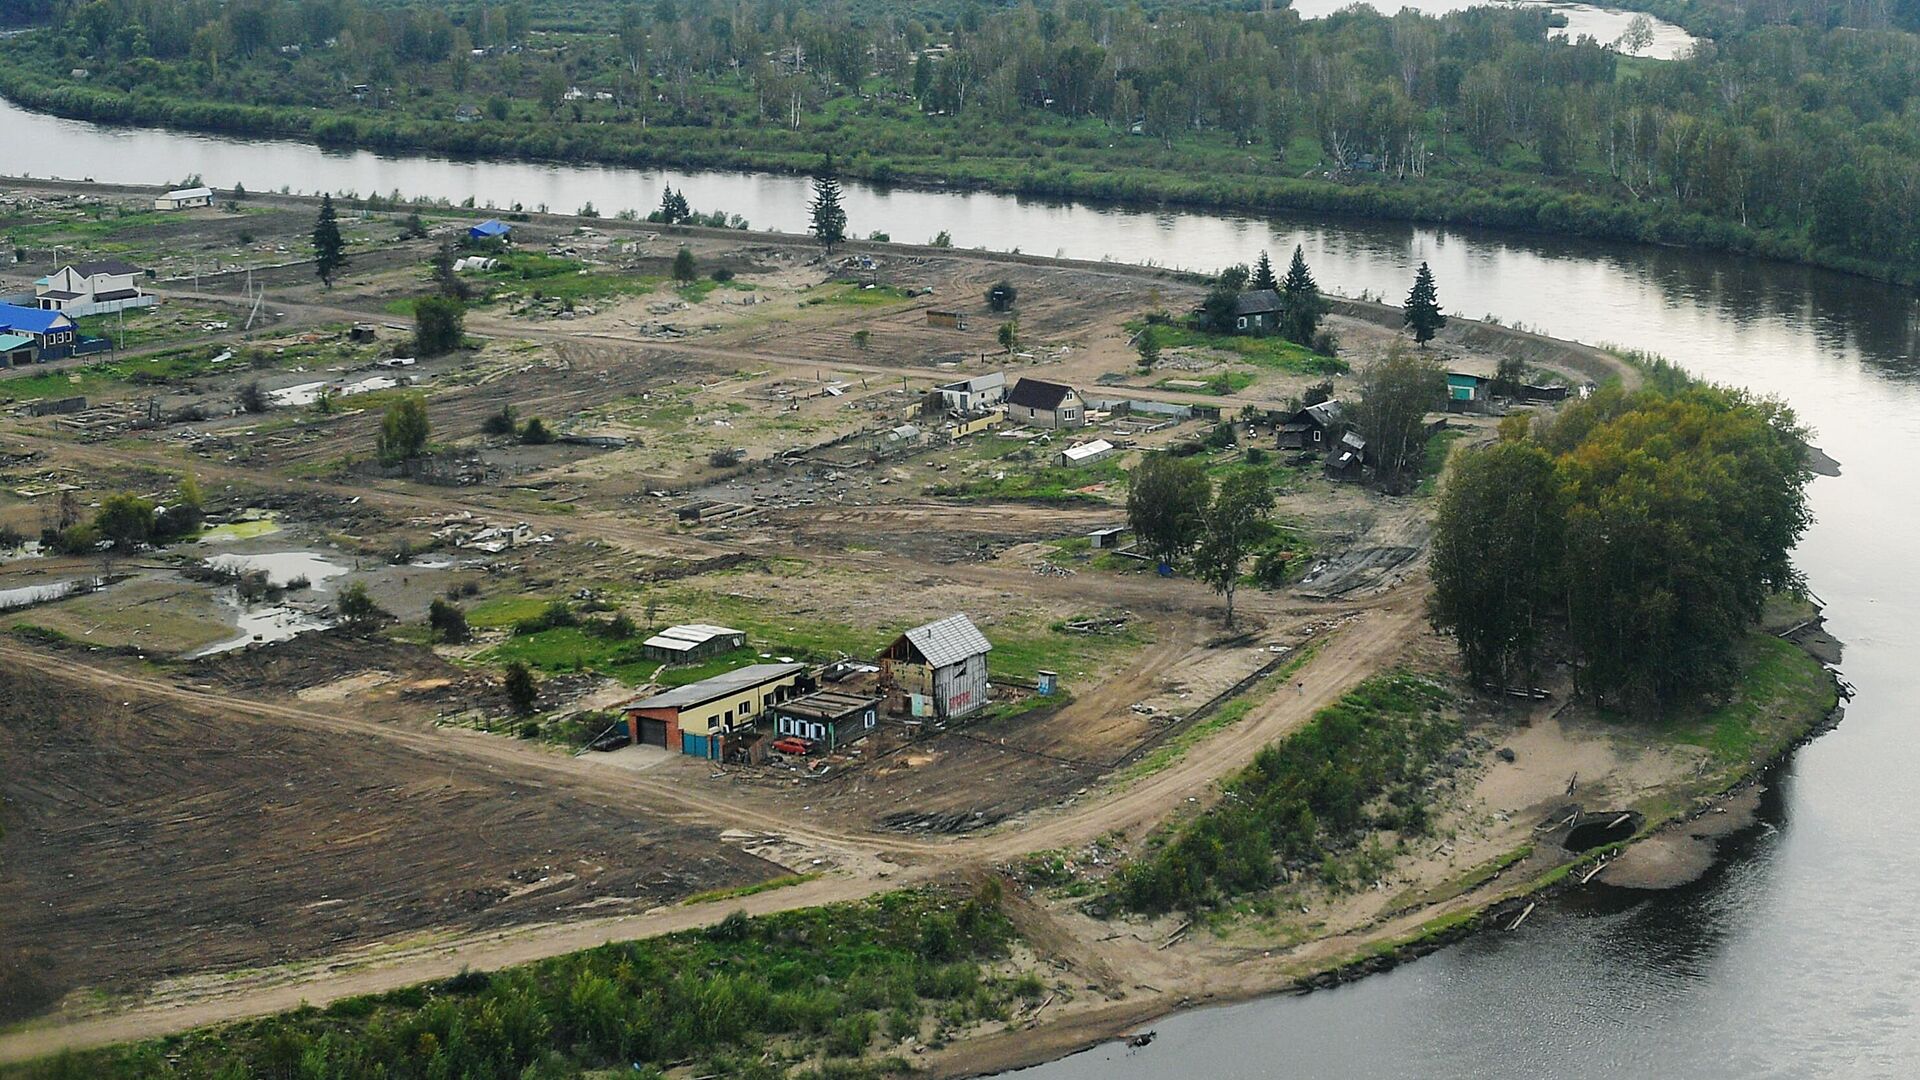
<point>722,275</point>
<point>500,423</point>
<point>521,690</point>
<point>536,433</point>
<point>439,325</point>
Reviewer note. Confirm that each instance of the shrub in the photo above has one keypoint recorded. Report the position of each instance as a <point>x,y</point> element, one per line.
<point>722,275</point>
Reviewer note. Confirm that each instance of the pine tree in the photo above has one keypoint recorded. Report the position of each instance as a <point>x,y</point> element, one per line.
<point>829,218</point>
<point>1263,274</point>
<point>329,250</point>
<point>1422,314</point>
<point>1302,306</point>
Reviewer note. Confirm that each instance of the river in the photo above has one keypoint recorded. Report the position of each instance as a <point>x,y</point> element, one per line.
<point>1605,25</point>
<point>1798,957</point>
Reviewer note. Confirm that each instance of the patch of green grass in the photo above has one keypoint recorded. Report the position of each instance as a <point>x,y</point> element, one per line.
<point>1782,693</point>
<point>848,294</point>
<point>1435,461</point>
<point>786,881</point>
<point>504,611</point>
<point>1219,384</point>
<point>1276,353</point>
<point>1102,482</point>
<point>1224,717</point>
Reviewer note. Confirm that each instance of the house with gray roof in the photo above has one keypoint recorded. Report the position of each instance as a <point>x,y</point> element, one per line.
<point>938,670</point>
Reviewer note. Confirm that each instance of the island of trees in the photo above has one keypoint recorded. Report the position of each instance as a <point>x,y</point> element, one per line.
<point>1788,133</point>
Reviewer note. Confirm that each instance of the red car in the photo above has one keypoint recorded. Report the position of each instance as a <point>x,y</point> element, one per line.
<point>792,744</point>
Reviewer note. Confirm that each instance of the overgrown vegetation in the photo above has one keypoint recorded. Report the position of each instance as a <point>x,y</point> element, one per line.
<point>746,997</point>
<point>1358,770</point>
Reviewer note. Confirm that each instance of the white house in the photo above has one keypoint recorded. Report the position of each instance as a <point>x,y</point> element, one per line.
<point>91,288</point>
<point>1042,404</point>
<point>970,396</point>
<point>184,199</point>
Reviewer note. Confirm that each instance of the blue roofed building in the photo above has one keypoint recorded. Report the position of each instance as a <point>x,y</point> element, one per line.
<point>53,332</point>
<point>490,229</point>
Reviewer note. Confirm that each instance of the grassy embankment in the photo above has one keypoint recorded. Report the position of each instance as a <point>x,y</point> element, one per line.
<point>817,990</point>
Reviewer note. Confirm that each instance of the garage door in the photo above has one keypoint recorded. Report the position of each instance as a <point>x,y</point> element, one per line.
<point>653,732</point>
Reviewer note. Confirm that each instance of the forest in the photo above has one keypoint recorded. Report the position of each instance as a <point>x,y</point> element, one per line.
<point>1790,133</point>
<point>1638,534</point>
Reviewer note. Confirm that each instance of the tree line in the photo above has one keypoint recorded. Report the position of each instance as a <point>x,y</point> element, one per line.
<point>1786,138</point>
<point>1638,533</point>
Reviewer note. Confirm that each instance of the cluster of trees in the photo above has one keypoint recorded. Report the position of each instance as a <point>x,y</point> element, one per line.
<point>1302,306</point>
<point>125,520</point>
<point>1785,133</point>
<point>1181,516</point>
<point>1641,531</point>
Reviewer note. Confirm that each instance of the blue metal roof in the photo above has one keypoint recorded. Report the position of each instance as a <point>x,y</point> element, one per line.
<point>26,320</point>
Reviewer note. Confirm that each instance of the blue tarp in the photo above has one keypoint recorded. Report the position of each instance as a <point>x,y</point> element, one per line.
<point>490,229</point>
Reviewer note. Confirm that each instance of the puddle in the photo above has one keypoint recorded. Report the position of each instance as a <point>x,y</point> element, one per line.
<point>29,595</point>
<point>432,562</point>
<point>263,624</point>
<point>282,567</point>
<point>272,622</point>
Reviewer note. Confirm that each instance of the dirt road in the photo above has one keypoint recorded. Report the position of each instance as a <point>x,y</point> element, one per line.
<point>873,862</point>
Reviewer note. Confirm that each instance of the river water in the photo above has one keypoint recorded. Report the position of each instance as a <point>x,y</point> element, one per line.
<point>1604,25</point>
<point>1798,957</point>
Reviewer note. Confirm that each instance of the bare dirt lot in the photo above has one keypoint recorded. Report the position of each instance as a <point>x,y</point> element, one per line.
<point>144,841</point>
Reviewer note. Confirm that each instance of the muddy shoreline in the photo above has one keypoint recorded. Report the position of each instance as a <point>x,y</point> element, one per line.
<point>1672,853</point>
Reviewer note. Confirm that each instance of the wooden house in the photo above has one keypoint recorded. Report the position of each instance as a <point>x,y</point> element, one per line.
<point>1257,311</point>
<point>939,669</point>
<point>829,718</point>
<point>1314,428</point>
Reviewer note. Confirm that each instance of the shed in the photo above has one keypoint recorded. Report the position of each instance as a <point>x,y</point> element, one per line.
<point>490,229</point>
<point>946,320</point>
<point>692,641</point>
<point>1087,453</point>
<point>1349,458</point>
<point>1464,389</point>
<point>184,198</point>
<point>701,719</point>
<point>1107,538</point>
<point>832,718</point>
<point>943,662</point>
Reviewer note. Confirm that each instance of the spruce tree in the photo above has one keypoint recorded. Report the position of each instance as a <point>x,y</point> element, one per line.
<point>1422,314</point>
<point>829,218</point>
<point>329,250</point>
<point>1301,306</point>
<point>1263,274</point>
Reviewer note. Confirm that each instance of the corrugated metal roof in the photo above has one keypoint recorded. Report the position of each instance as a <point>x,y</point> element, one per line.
<point>10,342</point>
<point>949,640</point>
<point>31,320</point>
<point>699,632</point>
<point>1087,450</point>
<point>719,686</point>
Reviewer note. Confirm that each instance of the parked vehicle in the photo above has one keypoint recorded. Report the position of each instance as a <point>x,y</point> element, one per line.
<point>792,744</point>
